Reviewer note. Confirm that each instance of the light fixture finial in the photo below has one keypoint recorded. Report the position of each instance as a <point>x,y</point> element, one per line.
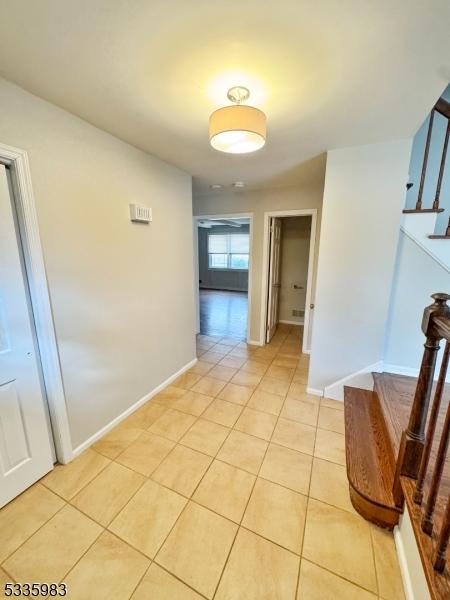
<point>238,94</point>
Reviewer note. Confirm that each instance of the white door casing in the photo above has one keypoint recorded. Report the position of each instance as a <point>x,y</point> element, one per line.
<point>307,328</point>
<point>25,451</point>
<point>274,277</point>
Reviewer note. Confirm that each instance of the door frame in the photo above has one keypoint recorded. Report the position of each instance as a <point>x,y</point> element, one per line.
<point>197,218</point>
<point>304,212</point>
<point>17,160</point>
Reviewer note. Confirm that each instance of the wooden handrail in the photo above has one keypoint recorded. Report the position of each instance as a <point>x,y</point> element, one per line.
<point>442,325</point>
<point>443,107</point>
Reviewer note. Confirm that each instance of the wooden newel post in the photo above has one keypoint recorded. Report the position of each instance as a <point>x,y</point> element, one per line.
<point>413,438</point>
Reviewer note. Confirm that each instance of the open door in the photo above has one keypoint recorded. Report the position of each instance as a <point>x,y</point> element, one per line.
<point>273,295</point>
<point>25,451</point>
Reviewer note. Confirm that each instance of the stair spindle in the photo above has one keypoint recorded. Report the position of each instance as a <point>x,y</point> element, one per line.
<point>441,551</point>
<point>413,438</point>
<point>418,494</point>
<point>425,161</point>
<point>427,521</point>
<point>442,168</point>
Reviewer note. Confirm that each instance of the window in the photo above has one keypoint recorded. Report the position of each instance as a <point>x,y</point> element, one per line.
<point>228,251</point>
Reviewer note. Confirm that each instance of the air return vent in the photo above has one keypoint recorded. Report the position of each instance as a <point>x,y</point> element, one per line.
<point>298,313</point>
<point>140,214</point>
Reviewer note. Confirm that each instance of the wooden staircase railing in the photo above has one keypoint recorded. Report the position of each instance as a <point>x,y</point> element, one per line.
<point>417,448</point>
<point>443,108</point>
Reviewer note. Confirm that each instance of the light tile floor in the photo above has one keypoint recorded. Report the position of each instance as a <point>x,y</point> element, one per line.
<point>229,484</point>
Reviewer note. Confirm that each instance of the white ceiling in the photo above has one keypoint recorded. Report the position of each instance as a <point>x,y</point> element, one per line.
<point>328,74</point>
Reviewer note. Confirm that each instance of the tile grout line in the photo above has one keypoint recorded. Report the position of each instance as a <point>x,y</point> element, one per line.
<point>306,510</point>
<point>372,545</point>
<point>2,565</point>
<point>96,539</point>
<point>146,478</point>
<point>375,594</point>
<point>246,506</point>
<point>187,504</point>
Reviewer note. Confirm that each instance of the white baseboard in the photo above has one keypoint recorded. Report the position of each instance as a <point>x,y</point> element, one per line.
<point>223,289</point>
<point>362,379</point>
<point>101,432</point>
<point>314,392</point>
<point>301,321</point>
<point>400,370</point>
<point>413,576</point>
<point>254,343</point>
<point>409,371</point>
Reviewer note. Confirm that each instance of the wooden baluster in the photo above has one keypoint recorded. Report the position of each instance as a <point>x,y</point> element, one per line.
<point>412,441</point>
<point>447,231</point>
<point>425,161</point>
<point>418,494</point>
<point>438,236</point>
<point>427,521</point>
<point>439,561</point>
<point>442,168</point>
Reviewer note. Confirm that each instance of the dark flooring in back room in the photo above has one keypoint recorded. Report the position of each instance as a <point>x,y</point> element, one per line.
<point>223,313</point>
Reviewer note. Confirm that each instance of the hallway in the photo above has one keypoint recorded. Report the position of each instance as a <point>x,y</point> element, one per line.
<point>223,313</point>
<point>229,484</point>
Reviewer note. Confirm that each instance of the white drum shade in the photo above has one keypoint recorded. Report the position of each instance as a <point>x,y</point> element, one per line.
<point>237,129</point>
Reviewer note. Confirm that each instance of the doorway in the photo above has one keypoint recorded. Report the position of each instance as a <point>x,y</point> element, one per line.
<point>26,443</point>
<point>34,427</point>
<point>288,273</point>
<point>223,247</point>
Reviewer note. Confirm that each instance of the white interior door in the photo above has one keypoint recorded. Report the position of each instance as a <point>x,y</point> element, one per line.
<point>274,277</point>
<point>25,450</point>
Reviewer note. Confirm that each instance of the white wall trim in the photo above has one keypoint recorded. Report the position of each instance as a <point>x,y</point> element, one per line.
<point>362,379</point>
<point>400,370</point>
<point>255,343</point>
<point>404,570</point>
<point>425,248</point>
<point>18,162</point>
<point>287,322</point>
<point>411,568</point>
<point>228,216</point>
<point>196,278</point>
<point>314,391</point>
<point>410,371</point>
<point>131,409</point>
<point>223,288</point>
<point>312,212</point>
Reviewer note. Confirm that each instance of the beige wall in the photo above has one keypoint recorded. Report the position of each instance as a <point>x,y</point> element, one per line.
<point>295,239</point>
<point>258,202</point>
<point>122,293</point>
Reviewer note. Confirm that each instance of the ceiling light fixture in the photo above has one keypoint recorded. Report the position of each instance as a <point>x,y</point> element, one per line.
<point>216,186</point>
<point>237,129</point>
<point>238,184</point>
